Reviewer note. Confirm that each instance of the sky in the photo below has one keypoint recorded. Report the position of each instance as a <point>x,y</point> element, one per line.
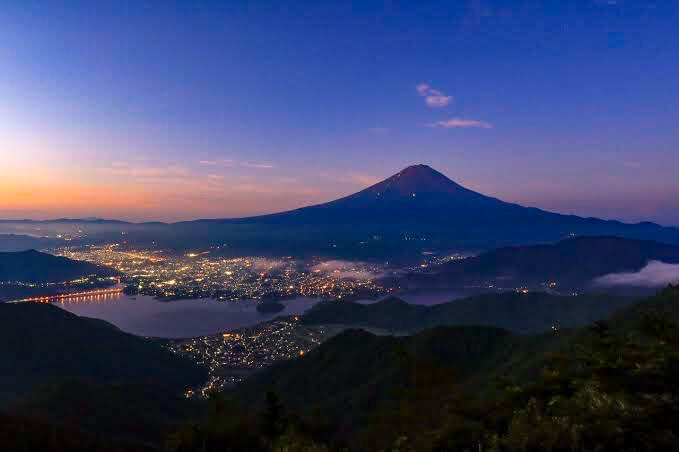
<point>175,110</point>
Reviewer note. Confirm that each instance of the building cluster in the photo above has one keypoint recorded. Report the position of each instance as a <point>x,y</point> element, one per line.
<point>205,275</point>
<point>233,355</point>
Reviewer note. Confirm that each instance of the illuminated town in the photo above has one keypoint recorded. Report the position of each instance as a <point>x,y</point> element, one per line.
<point>204,275</point>
<point>232,356</point>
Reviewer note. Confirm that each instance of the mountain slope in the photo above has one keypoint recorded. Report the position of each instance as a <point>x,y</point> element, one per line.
<point>90,380</point>
<point>416,189</point>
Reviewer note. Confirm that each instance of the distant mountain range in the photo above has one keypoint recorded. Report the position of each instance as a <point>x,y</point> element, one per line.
<point>418,209</point>
<point>69,220</point>
<point>571,263</point>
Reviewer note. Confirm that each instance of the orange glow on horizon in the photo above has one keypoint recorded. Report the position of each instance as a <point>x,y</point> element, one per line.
<point>38,197</point>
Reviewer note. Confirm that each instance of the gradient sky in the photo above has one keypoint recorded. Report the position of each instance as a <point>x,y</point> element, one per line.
<point>174,110</point>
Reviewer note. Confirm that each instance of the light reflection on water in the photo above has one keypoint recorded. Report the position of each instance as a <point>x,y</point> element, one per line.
<point>146,316</point>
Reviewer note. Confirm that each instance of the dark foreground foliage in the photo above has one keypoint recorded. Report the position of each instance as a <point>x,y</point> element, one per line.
<point>18,434</point>
<point>609,387</point>
<point>613,387</point>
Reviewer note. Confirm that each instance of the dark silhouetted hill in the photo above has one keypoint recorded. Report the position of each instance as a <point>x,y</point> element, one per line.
<point>35,267</point>
<point>570,263</point>
<point>40,343</point>
<point>19,434</point>
<point>529,313</point>
<point>355,381</point>
<point>369,390</point>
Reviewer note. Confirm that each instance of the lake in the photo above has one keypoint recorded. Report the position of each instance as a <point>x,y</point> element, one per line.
<point>146,316</point>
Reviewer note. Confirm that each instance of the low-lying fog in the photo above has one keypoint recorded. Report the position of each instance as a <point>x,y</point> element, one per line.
<point>654,274</point>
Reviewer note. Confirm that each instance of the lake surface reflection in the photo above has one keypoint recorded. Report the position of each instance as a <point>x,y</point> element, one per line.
<point>146,316</point>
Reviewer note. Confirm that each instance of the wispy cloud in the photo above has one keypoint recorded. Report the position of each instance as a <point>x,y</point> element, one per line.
<point>257,165</point>
<point>460,123</point>
<point>352,178</point>
<point>340,269</point>
<point>125,169</point>
<point>265,264</point>
<point>433,97</point>
<point>222,162</point>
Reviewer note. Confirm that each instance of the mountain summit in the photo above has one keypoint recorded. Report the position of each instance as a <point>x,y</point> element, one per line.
<point>414,210</point>
<point>416,194</point>
<point>414,180</point>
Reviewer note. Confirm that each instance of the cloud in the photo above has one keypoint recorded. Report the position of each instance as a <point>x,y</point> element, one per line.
<point>257,165</point>
<point>433,97</point>
<point>267,265</point>
<point>280,189</point>
<point>124,169</point>
<point>354,274</point>
<point>352,178</point>
<point>654,274</point>
<point>223,162</point>
<point>344,269</point>
<point>460,123</point>
<point>422,89</point>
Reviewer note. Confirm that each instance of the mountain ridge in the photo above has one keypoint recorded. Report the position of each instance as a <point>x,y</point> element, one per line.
<point>432,186</point>
<point>408,183</point>
<point>416,210</point>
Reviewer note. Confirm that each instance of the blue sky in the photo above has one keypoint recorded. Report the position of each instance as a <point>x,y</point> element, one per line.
<point>177,110</point>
